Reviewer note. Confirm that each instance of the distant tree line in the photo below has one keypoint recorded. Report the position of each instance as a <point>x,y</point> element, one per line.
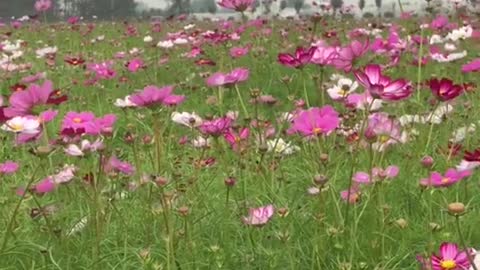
<point>102,9</point>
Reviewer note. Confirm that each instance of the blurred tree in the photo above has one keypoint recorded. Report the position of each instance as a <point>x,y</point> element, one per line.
<point>211,6</point>
<point>361,4</point>
<point>378,3</point>
<point>283,4</point>
<point>336,5</point>
<point>18,9</point>
<point>297,5</point>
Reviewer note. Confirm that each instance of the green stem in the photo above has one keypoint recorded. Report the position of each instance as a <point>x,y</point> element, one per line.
<point>462,241</point>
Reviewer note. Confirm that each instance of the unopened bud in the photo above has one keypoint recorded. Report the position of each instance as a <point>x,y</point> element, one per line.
<point>456,208</point>
<point>427,161</point>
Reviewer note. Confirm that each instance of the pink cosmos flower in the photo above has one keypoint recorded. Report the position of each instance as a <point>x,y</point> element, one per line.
<point>43,5</point>
<point>259,216</point>
<point>450,258</point>
<point>77,123</point>
<point>439,22</point>
<point>237,5</point>
<point>85,147</point>
<point>301,57</point>
<point>115,165</point>
<point>215,127</point>
<point>471,160</point>
<point>363,101</point>
<point>444,89</point>
<point>65,175</point>
<point>451,177</point>
<point>237,52</point>
<point>8,167</point>
<point>45,186</point>
<point>235,138</point>
<point>474,65</point>
<point>315,121</point>
<point>228,79</point>
<point>135,64</point>
<point>352,196</point>
<point>73,20</point>
<point>378,174</point>
<point>153,96</point>
<point>347,55</point>
<point>34,78</point>
<point>384,130</point>
<point>381,86</point>
<point>23,102</point>
<point>323,54</point>
<point>103,70</point>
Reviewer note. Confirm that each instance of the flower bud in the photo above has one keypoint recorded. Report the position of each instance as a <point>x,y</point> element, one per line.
<point>320,179</point>
<point>230,182</point>
<point>456,208</point>
<point>427,161</point>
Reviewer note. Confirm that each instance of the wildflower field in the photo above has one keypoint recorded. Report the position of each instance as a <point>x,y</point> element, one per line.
<point>314,143</point>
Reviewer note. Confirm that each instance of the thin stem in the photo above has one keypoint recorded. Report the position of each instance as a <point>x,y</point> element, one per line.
<point>242,103</point>
<point>462,241</point>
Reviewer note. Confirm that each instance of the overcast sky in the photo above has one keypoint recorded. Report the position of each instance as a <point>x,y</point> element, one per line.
<point>154,3</point>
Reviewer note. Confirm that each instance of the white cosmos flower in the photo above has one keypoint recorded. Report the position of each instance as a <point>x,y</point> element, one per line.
<point>459,134</point>
<point>147,39</point>
<point>123,103</point>
<point>187,119</point>
<point>448,58</point>
<point>180,41</point>
<point>165,44</point>
<point>279,146</point>
<point>20,124</point>
<point>460,33</point>
<point>342,89</point>
<point>468,166</point>
<point>189,26</point>
<point>201,142</point>
<point>47,50</point>
<point>435,39</point>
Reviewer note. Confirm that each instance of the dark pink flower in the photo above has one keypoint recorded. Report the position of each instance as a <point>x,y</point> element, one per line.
<point>450,258</point>
<point>43,5</point>
<point>451,177</point>
<point>45,186</point>
<point>8,167</point>
<point>135,64</point>
<point>474,65</point>
<point>237,52</point>
<point>77,123</point>
<point>228,79</point>
<point>315,121</point>
<point>444,89</point>
<point>103,70</point>
<point>237,5</point>
<point>235,138</point>
<point>23,102</point>
<point>301,57</point>
<point>382,87</point>
<point>116,165</point>
<point>351,196</point>
<point>439,22</point>
<point>154,96</point>
<point>215,127</point>
<point>73,20</point>
<point>259,216</point>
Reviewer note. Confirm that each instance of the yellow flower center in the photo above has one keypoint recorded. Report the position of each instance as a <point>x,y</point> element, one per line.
<point>16,127</point>
<point>448,264</point>
<point>237,139</point>
<point>317,131</point>
<point>77,120</point>
<point>384,138</point>
<point>445,180</point>
<point>342,92</point>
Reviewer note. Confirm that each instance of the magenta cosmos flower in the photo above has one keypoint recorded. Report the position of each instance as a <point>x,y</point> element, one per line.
<point>323,54</point>
<point>259,216</point>
<point>450,258</point>
<point>237,5</point>
<point>228,79</point>
<point>103,70</point>
<point>78,123</point>
<point>135,64</point>
<point>347,55</point>
<point>378,174</point>
<point>315,121</point>
<point>382,87</point>
<point>474,65</point>
<point>445,89</point>
<point>451,177</point>
<point>235,138</point>
<point>215,127</point>
<point>23,102</point>
<point>152,96</point>
<point>301,57</point>
<point>237,52</point>
<point>8,167</point>
<point>43,5</point>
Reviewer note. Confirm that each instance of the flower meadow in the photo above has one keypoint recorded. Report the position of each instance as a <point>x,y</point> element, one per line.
<point>314,143</point>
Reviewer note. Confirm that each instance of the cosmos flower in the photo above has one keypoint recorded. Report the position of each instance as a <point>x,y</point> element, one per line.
<point>215,127</point>
<point>259,216</point>
<point>228,79</point>
<point>8,167</point>
<point>452,176</point>
<point>301,57</point>
<point>187,119</point>
<point>315,121</point>
<point>153,96</point>
<point>384,131</point>
<point>21,124</point>
<point>342,89</point>
<point>450,258</point>
<point>378,174</point>
<point>42,5</point>
<point>237,5</point>
<point>445,89</point>
<point>281,147</point>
